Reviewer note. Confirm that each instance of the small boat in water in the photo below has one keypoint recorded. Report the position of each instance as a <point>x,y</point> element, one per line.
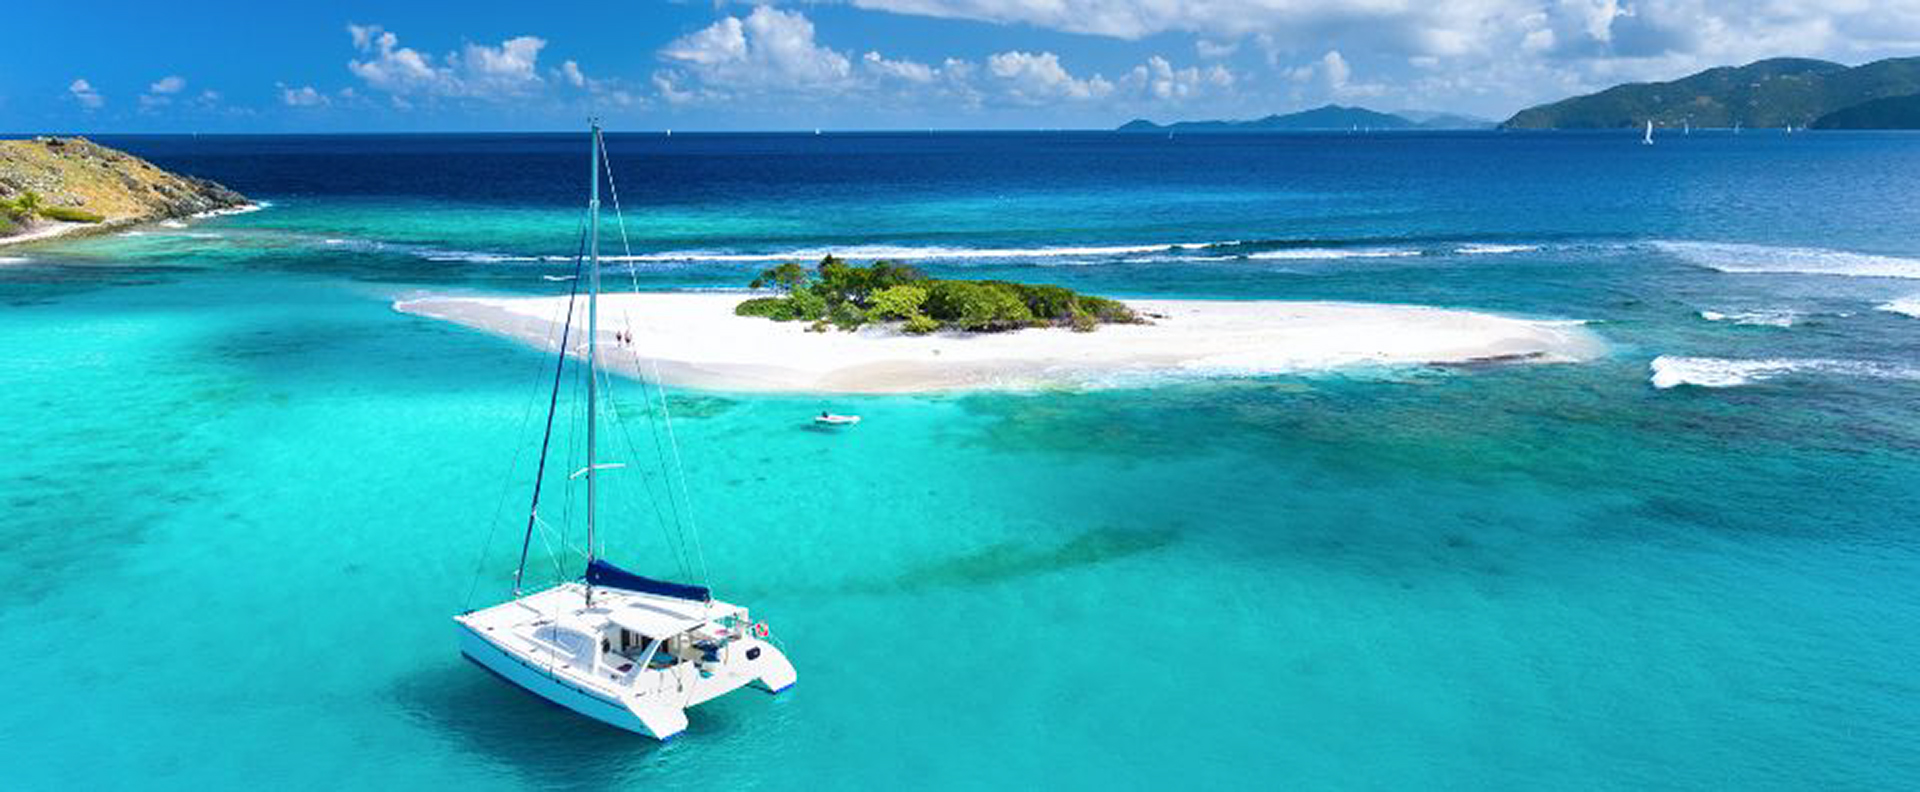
<point>621,648</point>
<point>830,419</point>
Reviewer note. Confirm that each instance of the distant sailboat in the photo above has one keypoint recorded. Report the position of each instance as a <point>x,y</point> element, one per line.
<point>626,650</point>
<point>1686,128</point>
<point>1648,140</point>
<point>1736,127</point>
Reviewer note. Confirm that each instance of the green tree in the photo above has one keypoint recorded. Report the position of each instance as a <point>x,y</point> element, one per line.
<point>897,302</point>
<point>24,207</point>
<point>787,277</point>
<point>807,305</point>
<point>974,305</point>
<point>29,204</point>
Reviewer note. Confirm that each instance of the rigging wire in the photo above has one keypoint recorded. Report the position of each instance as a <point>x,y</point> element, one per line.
<point>546,437</point>
<point>679,475</point>
<point>513,468</point>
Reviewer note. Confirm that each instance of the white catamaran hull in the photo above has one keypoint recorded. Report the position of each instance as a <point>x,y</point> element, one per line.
<point>656,721</point>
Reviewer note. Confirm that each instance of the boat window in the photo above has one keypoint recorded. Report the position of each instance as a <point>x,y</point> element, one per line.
<point>571,643</point>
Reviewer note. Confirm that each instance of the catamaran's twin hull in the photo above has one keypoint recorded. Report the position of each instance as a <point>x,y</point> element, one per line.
<point>655,720</point>
<point>665,722</point>
<point>659,715</point>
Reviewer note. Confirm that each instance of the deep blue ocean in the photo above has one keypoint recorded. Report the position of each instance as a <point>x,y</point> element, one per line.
<point>243,496</point>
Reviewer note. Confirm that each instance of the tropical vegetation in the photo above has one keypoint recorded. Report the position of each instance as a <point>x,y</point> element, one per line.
<point>22,209</point>
<point>848,296</point>
<point>1768,93</point>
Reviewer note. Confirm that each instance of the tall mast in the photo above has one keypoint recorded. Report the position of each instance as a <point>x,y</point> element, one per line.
<point>593,332</point>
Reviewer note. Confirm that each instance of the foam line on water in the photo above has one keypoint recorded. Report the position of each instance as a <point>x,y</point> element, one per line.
<point>1905,306</point>
<point>1060,255</point>
<point>1329,254</point>
<point>1492,249</point>
<point>1671,371</point>
<point>1745,258</point>
<point>1761,318</point>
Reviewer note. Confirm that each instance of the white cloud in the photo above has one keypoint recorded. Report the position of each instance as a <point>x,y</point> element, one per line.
<point>601,92</point>
<point>909,71</point>
<point>1161,81</point>
<point>160,93</point>
<point>1479,51</point>
<point>768,50</point>
<point>775,53</point>
<point>477,71</point>
<point>83,92</point>
<point>303,96</point>
<point>1038,78</point>
<point>1215,50</point>
<point>1336,69</point>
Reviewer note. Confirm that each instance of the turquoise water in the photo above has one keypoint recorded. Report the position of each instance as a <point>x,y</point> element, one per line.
<point>244,496</point>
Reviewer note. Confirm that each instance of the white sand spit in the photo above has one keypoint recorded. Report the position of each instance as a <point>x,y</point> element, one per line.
<point>697,341</point>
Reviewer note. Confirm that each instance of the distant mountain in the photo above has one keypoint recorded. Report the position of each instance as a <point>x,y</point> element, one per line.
<point>1328,117</point>
<point>1766,93</point>
<point>1893,112</point>
<point>1430,119</point>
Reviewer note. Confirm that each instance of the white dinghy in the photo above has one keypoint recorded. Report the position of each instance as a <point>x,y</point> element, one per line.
<point>624,649</point>
<point>831,419</point>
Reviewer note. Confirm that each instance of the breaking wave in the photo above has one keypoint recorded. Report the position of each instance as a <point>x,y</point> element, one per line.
<point>1331,253</point>
<point>1744,258</point>
<point>1670,371</point>
<point>1780,318</point>
<point>1492,249</point>
<point>1905,306</point>
<point>1061,255</point>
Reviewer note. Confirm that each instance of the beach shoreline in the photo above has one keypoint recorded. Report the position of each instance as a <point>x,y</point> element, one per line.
<point>59,230</point>
<point>695,340</point>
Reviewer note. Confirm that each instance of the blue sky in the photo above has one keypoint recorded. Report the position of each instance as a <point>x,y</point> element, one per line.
<point>482,65</point>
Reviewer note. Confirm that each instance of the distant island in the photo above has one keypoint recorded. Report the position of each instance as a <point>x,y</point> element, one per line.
<point>51,186</point>
<point>1769,93</point>
<point>1893,112</point>
<point>847,296</point>
<point>1329,117</point>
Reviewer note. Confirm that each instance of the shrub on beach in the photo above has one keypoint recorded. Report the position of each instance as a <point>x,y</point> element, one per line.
<point>779,309</point>
<point>70,215</point>
<point>847,296</point>
<point>898,302</point>
<point>978,305</point>
<point>23,208</point>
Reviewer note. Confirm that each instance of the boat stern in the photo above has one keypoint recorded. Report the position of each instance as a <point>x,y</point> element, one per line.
<point>770,667</point>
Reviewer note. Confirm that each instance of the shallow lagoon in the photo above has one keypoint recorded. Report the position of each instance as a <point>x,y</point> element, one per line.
<point>244,495</point>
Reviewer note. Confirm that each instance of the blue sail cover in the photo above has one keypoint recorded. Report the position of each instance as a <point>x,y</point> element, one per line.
<point>601,573</point>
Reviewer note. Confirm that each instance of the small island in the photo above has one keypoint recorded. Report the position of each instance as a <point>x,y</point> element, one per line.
<point>845,296</point>
<point>991,337</point>
<point>53,186</point>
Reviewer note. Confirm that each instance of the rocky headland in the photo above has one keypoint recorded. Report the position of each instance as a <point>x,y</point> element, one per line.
<point>57,186</point>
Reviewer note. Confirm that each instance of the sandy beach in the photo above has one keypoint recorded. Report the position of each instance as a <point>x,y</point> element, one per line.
<point>695,340</point>
<point>46,231</point>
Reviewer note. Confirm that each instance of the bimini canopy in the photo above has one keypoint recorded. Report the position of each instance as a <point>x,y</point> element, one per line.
<point>601,573</point>
<point>653,621</point>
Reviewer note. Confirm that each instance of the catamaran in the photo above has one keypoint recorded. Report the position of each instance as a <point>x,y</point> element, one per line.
<point>625,649</point>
